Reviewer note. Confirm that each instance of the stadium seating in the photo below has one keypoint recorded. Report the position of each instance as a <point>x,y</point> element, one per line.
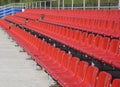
<point>75,73</point>
<point>101,22</point>
<point>105,14</point>
<point>91,25</point>
<point>90,32</point>
<point>106,51</point>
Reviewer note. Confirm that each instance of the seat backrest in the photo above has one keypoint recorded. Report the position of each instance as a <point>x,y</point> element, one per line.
<point>89,39</point>
<point>55,54</point>
<point>93,23</point>
<point>46,47</point>
<point>66,32</point>
<point>116,83</point>
<point>104,43</point>
<point>104,80</point>
<point>73,64</point>
<point>118,55</point>
<point>30,22</point>
<point>96,41</point>
<point>71,34</point>
<point>81,70</point>
<point>83,37</point>
<point>61,31</point>
<point>42,45</point>
<point>110,24</point>
<point>103,25</point>
<point>66,60</point>
<point>76,35</point>
<point>114,47</point>
<point>60,56</point>
<point>91,75</point>
<point>117,27</point>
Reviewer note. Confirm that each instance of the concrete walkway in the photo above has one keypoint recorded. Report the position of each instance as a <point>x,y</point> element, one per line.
<point>16,70</point>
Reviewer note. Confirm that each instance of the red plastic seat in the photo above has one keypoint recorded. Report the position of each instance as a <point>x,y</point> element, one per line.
<point>89,80</point>
<point>88,50</point>
<point>116,61</point>
<point>64,66</point>
<point>104,80</point>
<point>74,38</point>
<point>116,32</point>
<point>70,69</point>
<point>88,41</point>
<point>79,74</point>
<point>48,58</point>
<point>111,52</point>
<point>116,83</point>
<point>101,48</point>
<point>81,40</point>
<point>55,62</point>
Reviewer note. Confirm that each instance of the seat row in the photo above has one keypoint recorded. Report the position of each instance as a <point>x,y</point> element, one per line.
<point>101,26</point>
<point>32,16</point>
<point>67,70</point>
<point>16,19</point>
<point>105,27</point>
<point>4,24</point>
<point>100,14</point>
<point>100,48</point>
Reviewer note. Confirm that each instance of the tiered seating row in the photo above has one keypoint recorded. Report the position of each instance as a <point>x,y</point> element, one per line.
<point>4,24</point>
<point>100,26</point>
<point>67,70</point>
<point>100,48</point>
<point>97,14</point>
<point>16,19</point>
<point>108,27</point>
<point>29,16</point>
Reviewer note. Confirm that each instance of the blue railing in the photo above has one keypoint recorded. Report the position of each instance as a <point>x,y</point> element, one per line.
<point>8,10</point>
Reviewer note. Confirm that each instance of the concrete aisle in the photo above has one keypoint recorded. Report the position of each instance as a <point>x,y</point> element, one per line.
<point>16,70</point>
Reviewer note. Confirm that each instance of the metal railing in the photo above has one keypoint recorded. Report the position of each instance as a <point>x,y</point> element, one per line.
<point>11,8</point>
<point>61,4</point>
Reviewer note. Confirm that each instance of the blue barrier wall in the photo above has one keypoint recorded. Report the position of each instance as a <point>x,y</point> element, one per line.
<point>5,11</point>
